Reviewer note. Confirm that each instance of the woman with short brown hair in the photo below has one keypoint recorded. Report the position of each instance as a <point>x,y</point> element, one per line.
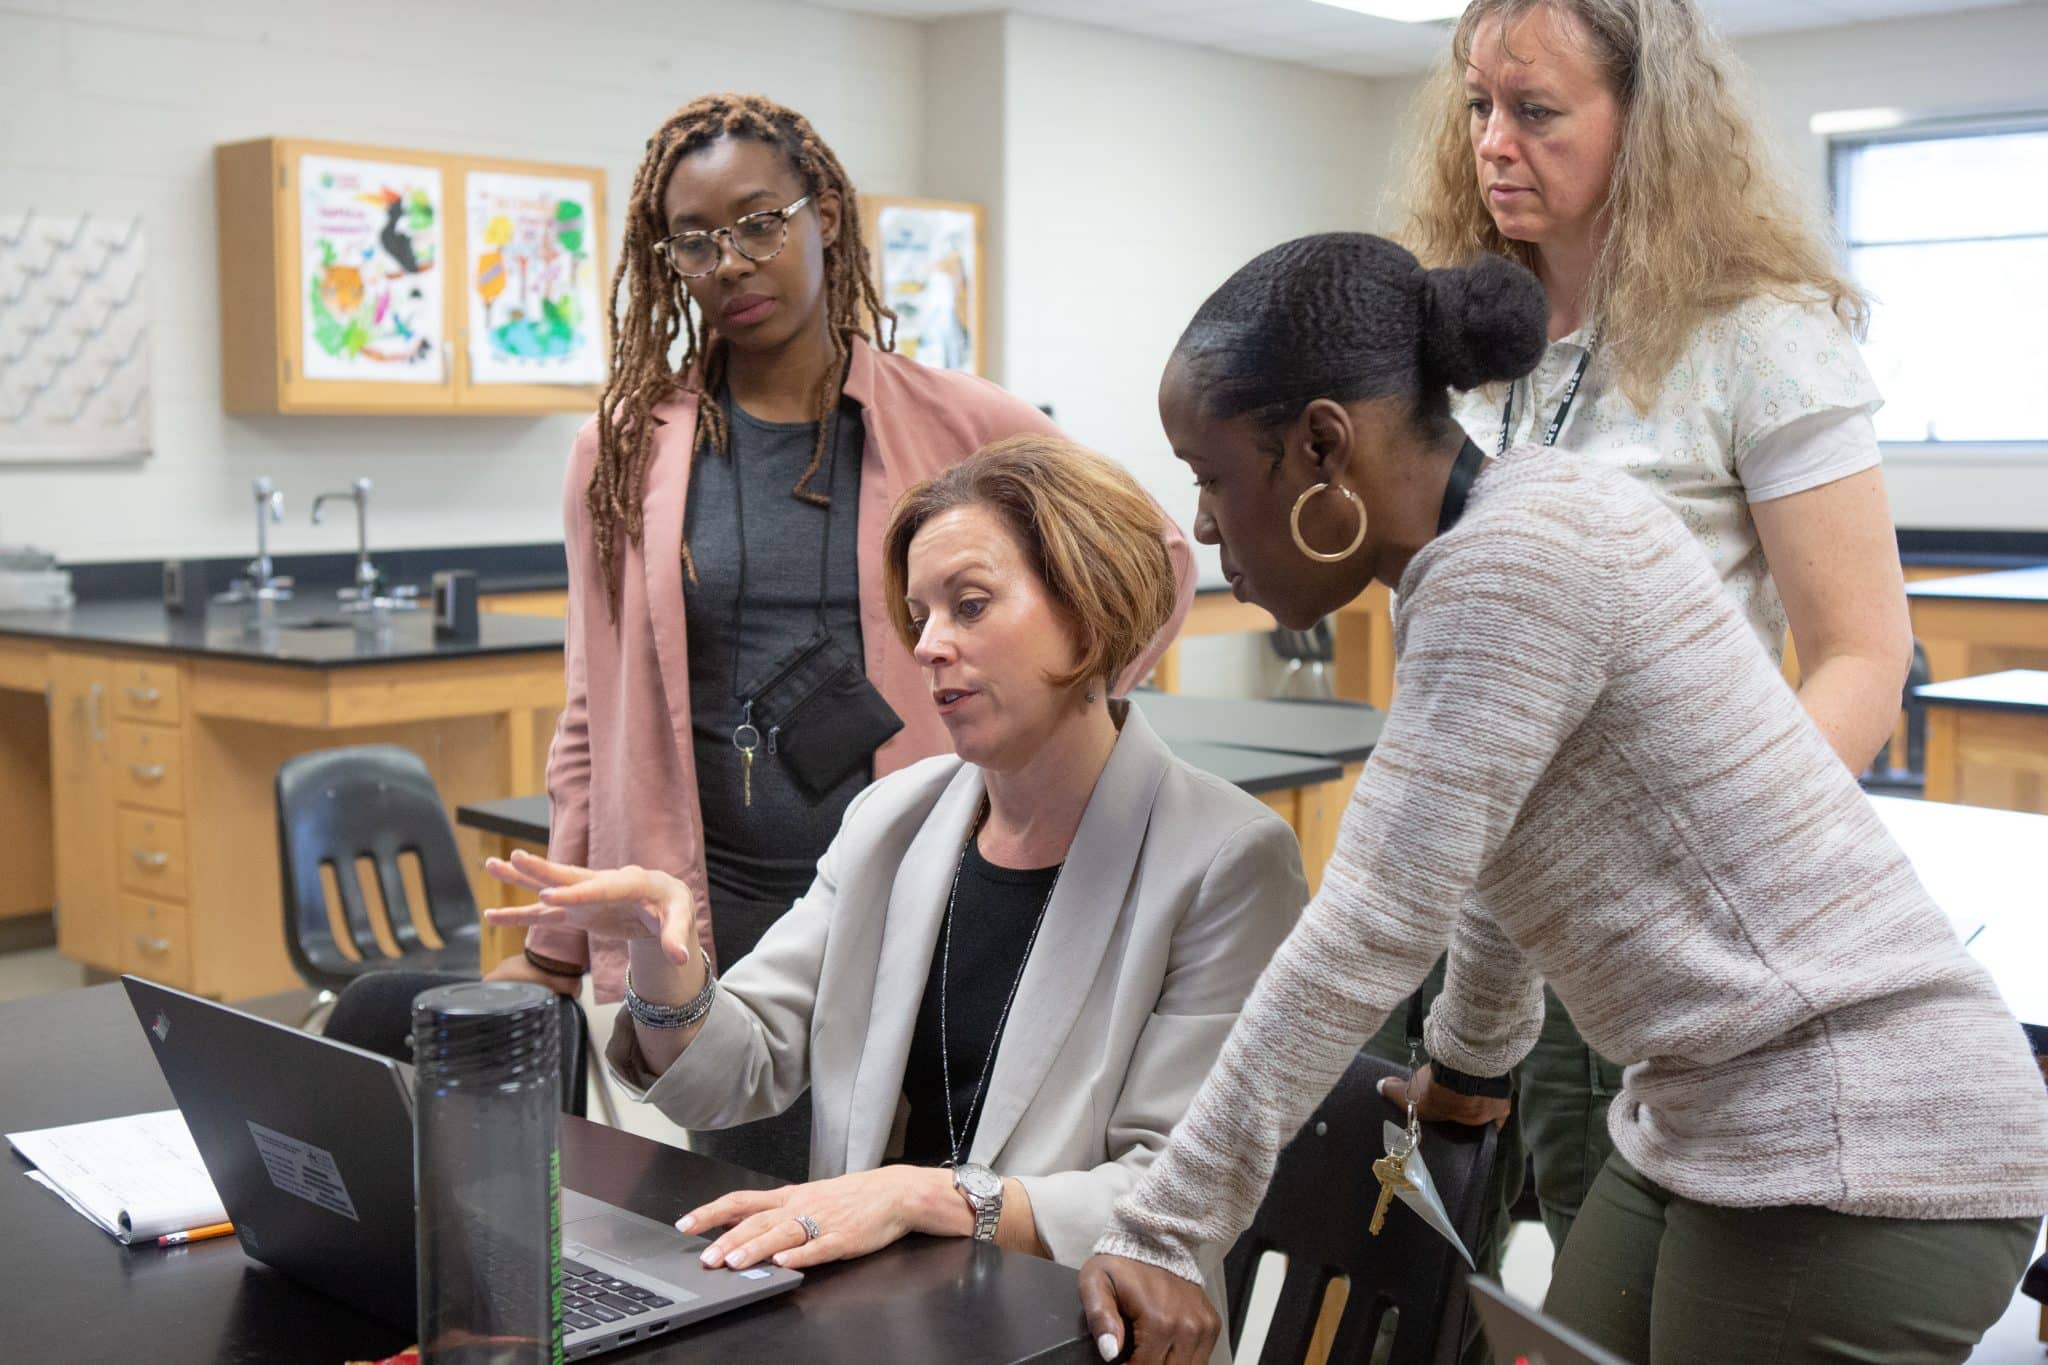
<point>1062,870</point>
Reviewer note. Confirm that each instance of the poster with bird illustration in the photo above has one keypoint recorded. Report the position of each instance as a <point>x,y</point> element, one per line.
<point>533,286</point>
<point>371,278</point>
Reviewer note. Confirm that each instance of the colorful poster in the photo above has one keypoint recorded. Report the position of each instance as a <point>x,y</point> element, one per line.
<point>370,261</point>
<point>74,337</point>
<point>930,277</point>
<point>533,289</point>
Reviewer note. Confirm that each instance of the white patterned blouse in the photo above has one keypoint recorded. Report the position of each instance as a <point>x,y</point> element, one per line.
<point>1768,399</point>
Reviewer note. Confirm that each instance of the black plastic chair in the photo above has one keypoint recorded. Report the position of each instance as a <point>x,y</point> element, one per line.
<point>374,802</point>
<point>374,1013</point>
<point>1310,650</point>
<point>1911,780</point>
<point>1316,1213</point>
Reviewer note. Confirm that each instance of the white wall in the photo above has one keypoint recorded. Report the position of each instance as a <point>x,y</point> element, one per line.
<point>114,106</point>
<point>1139,175</point>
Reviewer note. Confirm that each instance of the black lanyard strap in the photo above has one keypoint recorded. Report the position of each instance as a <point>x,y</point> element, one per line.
<point>739,513</point>
<point>1470,458</point>
<point>1564,408</point>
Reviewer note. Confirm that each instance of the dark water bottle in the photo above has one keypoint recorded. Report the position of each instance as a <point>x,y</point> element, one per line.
<point>487,1172</point>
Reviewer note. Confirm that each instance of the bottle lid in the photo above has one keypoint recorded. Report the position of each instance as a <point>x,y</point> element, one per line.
<point>487,1031</point>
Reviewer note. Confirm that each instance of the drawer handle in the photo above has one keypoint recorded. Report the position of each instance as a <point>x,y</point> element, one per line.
<point>144,696</point>
<point>150,858</point>
<point>155,946</point>
<point>147,772</point>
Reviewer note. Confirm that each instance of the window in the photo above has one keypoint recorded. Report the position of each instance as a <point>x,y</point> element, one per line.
<point>1947,230</point>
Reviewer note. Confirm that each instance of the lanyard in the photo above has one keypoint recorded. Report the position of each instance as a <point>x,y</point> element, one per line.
<point>1564,408</point>
<point>1470,457</point>
<point>739,513</point>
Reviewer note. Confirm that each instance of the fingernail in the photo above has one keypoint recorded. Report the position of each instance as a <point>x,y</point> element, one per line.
<point>1381,1085</point>
<point>686,1223</point>
<point>782,1258</point>
<point>1106,1345</point>
<point>736,1260</point>
<point>710,1256</point>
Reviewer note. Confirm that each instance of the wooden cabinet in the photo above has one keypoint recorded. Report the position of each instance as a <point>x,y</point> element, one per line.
<point>378,280</point>
<point>82,782</point>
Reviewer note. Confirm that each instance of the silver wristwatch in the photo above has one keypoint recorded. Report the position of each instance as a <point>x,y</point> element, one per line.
<point>982,1188</point>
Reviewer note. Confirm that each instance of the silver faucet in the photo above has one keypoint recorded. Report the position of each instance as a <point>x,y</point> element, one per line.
<point>368,593</point>
<point>262,585</point>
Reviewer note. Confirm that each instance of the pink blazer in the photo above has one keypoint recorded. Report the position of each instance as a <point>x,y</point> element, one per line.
<point>622,775</point>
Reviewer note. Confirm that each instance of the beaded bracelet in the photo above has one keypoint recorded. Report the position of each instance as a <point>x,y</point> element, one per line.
<point>673,1016</point>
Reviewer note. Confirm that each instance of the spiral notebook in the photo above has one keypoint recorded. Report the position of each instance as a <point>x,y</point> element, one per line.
<point>135,1178</point>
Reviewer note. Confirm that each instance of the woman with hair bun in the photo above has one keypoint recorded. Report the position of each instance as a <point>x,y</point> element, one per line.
<point>1700,880</point>
<point>1700,337</point>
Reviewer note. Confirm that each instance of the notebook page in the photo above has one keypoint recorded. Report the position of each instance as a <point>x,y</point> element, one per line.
<point>137,1177</point>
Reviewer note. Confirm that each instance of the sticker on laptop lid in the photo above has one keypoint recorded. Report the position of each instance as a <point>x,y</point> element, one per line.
<point>301,1169</point>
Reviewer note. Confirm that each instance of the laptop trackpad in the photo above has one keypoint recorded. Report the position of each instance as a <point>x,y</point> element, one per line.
<point>632,1240</point>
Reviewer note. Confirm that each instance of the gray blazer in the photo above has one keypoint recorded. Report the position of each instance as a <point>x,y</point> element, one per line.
<point>1176,891</point>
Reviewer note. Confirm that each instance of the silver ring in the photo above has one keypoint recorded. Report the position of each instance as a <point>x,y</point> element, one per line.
<point>812,1232</point>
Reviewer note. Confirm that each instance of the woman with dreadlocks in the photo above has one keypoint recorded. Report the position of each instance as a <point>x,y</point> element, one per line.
<point>732,680</point>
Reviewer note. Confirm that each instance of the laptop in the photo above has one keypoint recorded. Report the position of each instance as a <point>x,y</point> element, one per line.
<point>310,1144</point>
<point>1519,1335</point>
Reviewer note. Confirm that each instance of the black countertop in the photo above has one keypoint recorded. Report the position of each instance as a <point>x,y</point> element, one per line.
<point>309,632</point>
<point>77,1294</point>
<point>2014,585</point>
<point>526,818</point>
<point>1341,732</point>
<point>2017,689</point>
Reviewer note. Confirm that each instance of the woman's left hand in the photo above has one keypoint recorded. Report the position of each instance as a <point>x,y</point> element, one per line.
<point>855,1214</point>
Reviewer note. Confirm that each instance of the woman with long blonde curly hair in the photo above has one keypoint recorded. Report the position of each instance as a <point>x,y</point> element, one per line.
<point>1701,337</point>
<point>723,519</point>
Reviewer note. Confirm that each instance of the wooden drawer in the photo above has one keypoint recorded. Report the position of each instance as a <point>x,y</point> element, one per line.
<point>152,853</point>
<point>146,691</point>
<point>147,768</point>
<point>156,940</point>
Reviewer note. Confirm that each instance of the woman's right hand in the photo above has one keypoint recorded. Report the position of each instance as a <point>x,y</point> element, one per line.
<point>619,903</point>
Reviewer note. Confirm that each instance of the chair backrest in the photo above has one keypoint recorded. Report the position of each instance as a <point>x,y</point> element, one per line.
<point>1316,1214</point>
<point>1317,644</point>
<point>374,802</point>
<point>374,1012</point>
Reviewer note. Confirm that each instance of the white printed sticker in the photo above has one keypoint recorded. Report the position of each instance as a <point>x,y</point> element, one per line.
<point>299,1168</point>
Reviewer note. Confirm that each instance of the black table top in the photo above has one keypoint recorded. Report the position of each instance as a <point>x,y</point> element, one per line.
<point>76,1294</point>
<point>2016,689</point>
<point>1341,732</point>
<point>2014,585</point>
<point>526,818</point>
<point>309,632</point>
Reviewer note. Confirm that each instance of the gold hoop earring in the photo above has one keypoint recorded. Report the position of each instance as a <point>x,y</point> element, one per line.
<point>1294,525</point>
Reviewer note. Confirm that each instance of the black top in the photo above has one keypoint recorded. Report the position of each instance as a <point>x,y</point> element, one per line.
<point>767,851</point>
<point>994,916</point>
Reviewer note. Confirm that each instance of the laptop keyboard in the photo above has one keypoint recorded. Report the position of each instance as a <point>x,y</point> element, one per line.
<point>591,1298</point>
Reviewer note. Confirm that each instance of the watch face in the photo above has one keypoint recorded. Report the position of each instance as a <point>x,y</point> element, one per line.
<point>979,1181</point>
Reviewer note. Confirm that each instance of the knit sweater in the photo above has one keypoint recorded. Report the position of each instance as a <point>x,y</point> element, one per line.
<point>1593,775</point>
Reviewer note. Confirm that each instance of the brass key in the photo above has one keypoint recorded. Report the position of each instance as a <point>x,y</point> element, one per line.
<point>747,739</point>
<point>1392,1173</point>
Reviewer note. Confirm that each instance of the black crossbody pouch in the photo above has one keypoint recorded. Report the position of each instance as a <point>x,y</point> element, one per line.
<point>816,713</point>
<point>820,716</point>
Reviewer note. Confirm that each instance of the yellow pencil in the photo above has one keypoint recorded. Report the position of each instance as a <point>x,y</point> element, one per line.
<point>174,1239</point>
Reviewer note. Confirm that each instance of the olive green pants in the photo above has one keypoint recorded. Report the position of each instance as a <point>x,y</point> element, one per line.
<point>1661,1279</point>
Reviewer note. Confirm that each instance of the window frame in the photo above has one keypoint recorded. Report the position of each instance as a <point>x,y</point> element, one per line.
<point>1841,149</point>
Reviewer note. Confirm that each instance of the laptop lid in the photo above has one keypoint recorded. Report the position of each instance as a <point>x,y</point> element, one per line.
<point>1519,1335</point>
<point>308,1141</point>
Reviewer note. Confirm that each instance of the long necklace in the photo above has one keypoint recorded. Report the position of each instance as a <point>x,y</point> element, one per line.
<point>956,1137</point>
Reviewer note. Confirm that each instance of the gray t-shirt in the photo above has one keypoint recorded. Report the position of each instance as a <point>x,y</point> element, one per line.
<point>767,851</point>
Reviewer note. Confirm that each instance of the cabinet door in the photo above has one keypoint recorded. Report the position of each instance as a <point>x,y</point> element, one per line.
<point>82,782</point>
